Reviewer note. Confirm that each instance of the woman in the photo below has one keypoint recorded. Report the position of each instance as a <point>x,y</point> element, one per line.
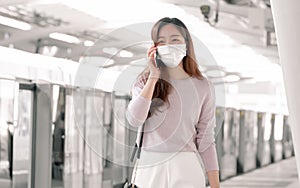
<point>177,105</point>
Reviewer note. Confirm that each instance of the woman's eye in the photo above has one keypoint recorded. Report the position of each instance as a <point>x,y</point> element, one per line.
<point>175,40</point>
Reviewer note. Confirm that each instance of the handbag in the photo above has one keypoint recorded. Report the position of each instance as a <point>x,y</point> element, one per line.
<point>137,149</point>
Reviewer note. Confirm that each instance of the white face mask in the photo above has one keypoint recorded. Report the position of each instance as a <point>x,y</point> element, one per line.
<point>172,54</point>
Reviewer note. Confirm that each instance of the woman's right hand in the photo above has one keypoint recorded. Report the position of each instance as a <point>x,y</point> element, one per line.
<point>154,71</point>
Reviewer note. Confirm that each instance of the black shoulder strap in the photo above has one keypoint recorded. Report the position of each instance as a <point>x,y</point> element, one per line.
<point>141,142</point>
<point>138,147</point>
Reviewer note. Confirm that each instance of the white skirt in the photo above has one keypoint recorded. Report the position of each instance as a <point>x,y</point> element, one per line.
<point>169,170</point>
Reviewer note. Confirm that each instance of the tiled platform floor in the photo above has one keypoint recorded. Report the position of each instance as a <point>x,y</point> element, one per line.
<point>282,174</point>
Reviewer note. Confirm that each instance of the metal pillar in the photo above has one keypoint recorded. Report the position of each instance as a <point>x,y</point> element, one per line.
<point>286,16</point>
<point>43,137</point>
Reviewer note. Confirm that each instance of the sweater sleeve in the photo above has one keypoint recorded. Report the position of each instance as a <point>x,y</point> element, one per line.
<point>205,138</point>
<point>138,107</point>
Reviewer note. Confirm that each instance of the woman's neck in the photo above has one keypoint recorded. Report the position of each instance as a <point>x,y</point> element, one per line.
<point>177,72</point>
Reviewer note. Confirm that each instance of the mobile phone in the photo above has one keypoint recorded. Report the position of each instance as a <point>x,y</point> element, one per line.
<point>158,61</point>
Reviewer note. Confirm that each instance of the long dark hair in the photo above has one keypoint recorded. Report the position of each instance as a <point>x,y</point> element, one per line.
<point>190,66</point>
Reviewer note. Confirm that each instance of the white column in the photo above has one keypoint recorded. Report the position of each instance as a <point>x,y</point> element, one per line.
<point>286,16</point>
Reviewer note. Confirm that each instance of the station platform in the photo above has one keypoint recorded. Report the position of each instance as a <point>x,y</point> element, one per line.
<point>282,174</point>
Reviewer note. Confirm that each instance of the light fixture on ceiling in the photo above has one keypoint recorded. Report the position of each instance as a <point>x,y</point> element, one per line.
<point>64,37</point>
<point>14,23</point>
<point>231,78</point>
<point>125,53</point>
<point>49,50</point>
<point>88,43</point>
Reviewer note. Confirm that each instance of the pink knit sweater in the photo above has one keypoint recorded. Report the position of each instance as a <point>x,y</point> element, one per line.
<point>187,124</point>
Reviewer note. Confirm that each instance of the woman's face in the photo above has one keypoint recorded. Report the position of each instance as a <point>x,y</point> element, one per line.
<point>169,34</point>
